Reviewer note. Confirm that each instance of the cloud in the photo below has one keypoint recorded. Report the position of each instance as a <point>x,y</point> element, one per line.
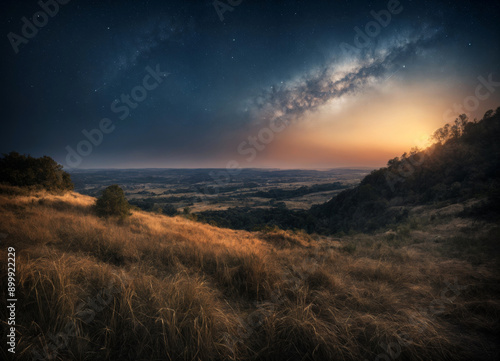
<point>347,75</point>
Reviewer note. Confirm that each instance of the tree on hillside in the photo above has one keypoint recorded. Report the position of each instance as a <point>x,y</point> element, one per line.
<point>26,171</point>
<point>112,203</point>
<point>463,163</point>
<point>451,131</point>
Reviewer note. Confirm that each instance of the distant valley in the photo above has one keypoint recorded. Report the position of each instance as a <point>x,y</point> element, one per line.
<point>201,190</point>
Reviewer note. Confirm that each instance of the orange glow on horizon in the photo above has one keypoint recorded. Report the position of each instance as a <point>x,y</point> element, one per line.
<point>382,128</point>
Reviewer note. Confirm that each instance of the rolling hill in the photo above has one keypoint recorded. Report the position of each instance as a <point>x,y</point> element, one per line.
<point>156,287</point>
<point>462,164</point>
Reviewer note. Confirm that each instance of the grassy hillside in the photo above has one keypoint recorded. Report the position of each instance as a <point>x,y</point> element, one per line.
<point>153,287</point>
<point>462,164</point>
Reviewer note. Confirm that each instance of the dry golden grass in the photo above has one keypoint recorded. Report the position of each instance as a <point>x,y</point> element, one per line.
<point>159,288</point>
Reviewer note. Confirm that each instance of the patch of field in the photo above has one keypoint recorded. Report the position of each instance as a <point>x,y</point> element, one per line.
<point>197,189</point>
<point>305,202</point>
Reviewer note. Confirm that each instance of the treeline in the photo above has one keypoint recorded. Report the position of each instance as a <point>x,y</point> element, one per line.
<point>173,199</point>
<point>464,162</point>
<point>253,219</point>
<point>167,209</point>
<point>280,194</point>
<point>26,171</point>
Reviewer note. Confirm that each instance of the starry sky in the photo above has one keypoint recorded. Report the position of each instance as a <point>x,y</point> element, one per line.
<point>204,84</point>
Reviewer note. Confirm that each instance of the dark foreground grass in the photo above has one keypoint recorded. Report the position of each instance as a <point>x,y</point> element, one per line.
<point>159,288</point>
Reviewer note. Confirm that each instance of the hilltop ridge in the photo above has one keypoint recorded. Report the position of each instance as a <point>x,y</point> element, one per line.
<point>462,164</point>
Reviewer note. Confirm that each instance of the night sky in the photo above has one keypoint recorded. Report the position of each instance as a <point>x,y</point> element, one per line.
<point>284,84</point>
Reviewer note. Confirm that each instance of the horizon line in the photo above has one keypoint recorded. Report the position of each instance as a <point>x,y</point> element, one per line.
<point>219,168</point>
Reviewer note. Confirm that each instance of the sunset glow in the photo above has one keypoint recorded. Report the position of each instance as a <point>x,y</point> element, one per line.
<point>192,91</point>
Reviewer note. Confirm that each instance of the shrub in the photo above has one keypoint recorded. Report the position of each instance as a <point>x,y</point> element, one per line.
<point>25,171</point>
<point>157,209</point>
<point>112,203</point>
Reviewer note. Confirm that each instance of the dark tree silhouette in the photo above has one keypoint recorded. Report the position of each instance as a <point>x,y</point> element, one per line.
<point>26,171</point>
<point>455,130</point>
<point>463,163</point>
<point>112,203</point>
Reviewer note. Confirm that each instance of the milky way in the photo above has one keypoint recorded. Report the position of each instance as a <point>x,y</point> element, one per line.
<point>263,59</point>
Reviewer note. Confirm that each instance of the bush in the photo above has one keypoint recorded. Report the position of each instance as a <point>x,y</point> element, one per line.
<point>157,209</point>
<point>25,171</point>
<point>112,203</point>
